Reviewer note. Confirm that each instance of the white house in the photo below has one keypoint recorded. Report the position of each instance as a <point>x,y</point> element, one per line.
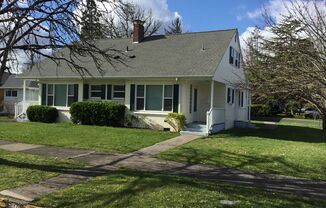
<point>197,74</point>
<point>13,90</point>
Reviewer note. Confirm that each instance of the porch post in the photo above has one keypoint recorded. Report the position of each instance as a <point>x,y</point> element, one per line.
<point>24,90</point>
<point>212,93</point>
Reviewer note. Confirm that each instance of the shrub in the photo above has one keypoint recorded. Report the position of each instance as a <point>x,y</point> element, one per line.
<point>261,110</point>
<point>176,120</point>
<point>97,113</point>
<point>40,113</point>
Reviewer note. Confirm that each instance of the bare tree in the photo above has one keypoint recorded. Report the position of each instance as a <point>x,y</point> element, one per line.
<point>121,26</point>
<point>37,27</point>
<point>293,61</point>
<point>175,27</point>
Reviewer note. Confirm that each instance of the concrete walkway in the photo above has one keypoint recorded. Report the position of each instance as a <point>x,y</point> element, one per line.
<point>142,160</point>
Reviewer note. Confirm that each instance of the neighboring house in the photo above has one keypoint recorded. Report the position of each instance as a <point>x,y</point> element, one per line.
<point>14,92</point>
<point>2,91</point>
<point>197,74</point>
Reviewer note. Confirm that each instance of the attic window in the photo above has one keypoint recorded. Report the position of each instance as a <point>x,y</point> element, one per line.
<point>116,57</point>
<point>132,56</point>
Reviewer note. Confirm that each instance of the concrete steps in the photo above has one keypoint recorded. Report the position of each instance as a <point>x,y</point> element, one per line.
<point>195,129</point>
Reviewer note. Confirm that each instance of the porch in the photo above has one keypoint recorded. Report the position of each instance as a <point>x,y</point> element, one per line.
<point>204,108</point>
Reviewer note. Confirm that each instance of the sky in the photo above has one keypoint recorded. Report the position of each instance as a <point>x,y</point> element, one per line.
<point>204,15</point>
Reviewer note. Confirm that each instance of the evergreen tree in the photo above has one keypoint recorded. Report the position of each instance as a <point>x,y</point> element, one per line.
<point>175,27</point>
<point>91,27</point>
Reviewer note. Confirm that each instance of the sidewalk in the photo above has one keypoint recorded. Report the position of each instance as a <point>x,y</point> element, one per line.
<point>142,160</point>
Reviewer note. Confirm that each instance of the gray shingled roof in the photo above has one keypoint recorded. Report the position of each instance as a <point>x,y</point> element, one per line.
<point>157,56</point>
<point>14,82</point>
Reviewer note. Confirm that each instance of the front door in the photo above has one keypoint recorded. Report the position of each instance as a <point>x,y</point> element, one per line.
<point>195,105</point>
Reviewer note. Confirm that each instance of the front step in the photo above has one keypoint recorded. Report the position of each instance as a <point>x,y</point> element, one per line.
<point>195,129</point>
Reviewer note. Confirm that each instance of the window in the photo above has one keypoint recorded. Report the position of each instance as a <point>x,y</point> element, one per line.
<point>235,57</point>
<point>62,95</point>
<point>119,91</point>
<point>96,91</point>
<point>140,97</point>
<point>154,97</point>
<point>241,99</point>
<point>231,59</point>
<point>50,94</point>
<point>71,94</point>
<point>230,96</point>
<point>11,93</point>
<point>168,98</point>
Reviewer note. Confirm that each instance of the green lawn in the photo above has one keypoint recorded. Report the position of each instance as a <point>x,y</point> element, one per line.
<point>106,139</point>
<point>289,150</point>
<point>18,169</point>
<point>6,118</point>
<point>134,189</point>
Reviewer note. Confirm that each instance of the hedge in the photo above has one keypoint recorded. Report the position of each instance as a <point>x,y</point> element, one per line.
<point>40,113</point>
<point>261,110</point>
<point>98,113</point>
<point>176,120</point>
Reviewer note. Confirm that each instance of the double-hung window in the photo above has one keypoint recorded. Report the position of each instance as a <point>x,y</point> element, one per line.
<point>140,97</point>
<point>11,93</point>
<point>61,95</point>
<point>154,97</point>
<point>119,91</point>
<point>96,91</point>
<point>168,98</point>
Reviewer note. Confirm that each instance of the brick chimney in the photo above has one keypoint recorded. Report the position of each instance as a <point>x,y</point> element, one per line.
<point>138,34</point>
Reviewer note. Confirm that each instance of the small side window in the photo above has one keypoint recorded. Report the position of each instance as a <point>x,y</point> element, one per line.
<point>231,58</point>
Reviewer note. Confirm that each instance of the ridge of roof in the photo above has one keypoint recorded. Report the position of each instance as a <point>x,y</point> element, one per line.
<point>169,35</point>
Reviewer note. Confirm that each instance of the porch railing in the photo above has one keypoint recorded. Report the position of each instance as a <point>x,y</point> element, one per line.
<point>215,116</point>
<point>21,108</point>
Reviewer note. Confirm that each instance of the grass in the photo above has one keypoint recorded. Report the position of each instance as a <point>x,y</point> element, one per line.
<point>105,139</point>
<point>6,118</point>
<point>288,150</point>
<point>18,169</point>
<point>134,189</point>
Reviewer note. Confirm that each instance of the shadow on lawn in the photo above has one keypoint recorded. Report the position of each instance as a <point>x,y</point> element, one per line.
<point>254,162</point>
<point>136,189</point>
<point>280,132</point>
<point>53,168</point>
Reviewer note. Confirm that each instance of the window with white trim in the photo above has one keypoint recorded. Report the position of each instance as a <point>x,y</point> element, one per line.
<point>154,97</point>
<point>168,98</point>
<point>96,91</point>
<point>241,99</point>
<point>61,95</point>
<point>11,93</point>
<point>119,91</point>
